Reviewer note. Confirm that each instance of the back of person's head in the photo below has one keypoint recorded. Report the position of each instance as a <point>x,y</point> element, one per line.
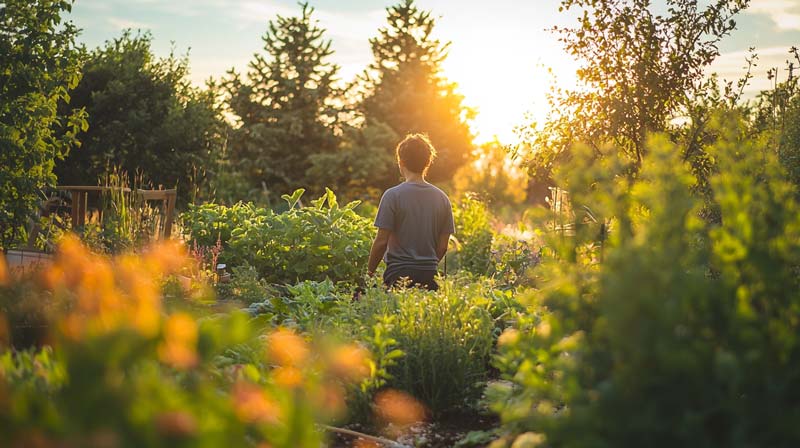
<point>416,153</point>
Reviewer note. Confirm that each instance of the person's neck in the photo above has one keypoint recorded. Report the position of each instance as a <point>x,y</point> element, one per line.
<point>415,178</point>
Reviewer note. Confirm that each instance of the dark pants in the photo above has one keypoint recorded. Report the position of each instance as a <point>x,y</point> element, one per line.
<point>414,277</point>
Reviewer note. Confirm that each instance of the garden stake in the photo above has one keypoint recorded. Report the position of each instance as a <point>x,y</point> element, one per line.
<point>381,440</point>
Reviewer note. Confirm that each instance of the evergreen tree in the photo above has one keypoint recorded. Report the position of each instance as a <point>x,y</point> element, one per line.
<point>285,106</point>
<point>405,89</point>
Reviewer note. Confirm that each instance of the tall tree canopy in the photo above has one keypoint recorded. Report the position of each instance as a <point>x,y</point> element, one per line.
<point>404,88</point>
<point>638,69</point>
<point>39,64</point>
<point>144,117</point>
<point>286,106</point>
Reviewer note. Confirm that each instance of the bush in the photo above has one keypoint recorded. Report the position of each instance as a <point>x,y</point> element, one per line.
<point>317,242</point>
<point>686,333</point>
<point>447,337</point>
<point>474,235</point>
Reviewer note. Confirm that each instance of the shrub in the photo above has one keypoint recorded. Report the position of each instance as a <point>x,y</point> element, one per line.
<point>447,337</point>
<point>205,224</point>
<point>317,242</point>
<point>686,333</point>
<point>474,235</point>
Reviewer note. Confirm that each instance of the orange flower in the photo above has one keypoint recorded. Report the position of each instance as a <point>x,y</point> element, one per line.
<point>287,376</point>
<point>252,405</point>
<point>287,348</point>
<point>166,257</point>
<point>176,423</point>
<point>398,408</point>
<point>331,399</point>
<point>351,362</point>
<point>4,277</point>
<point>180,342</point>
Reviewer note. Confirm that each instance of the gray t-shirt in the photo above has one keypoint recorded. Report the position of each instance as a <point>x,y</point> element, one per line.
<point>416,213</point>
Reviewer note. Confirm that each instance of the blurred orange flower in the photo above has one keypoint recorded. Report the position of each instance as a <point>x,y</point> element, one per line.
<point>398,408</point>
<point>4,277</point>
<point>176,423</point>
<point>252,404</point>
<point>287,376</point>
<point>351,361</point>
<point>179,348</point>
<point>287,348</point>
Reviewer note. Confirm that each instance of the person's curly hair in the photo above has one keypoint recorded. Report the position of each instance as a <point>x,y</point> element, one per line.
<point>416,153</point>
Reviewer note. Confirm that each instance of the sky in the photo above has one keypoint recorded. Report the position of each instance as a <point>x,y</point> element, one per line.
<point>499,56</point>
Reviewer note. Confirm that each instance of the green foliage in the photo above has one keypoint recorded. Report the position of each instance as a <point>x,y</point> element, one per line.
<point>206,223</point>
<point>405,89</point>
<point>494,176</point>
<point>40,65</point>
<point>323,240</point>
<point>447,337</point>
<point>245,286</point>
<point>285,105</point>
<point>513,258</point>
<point>639,68</point>
<point>36,371</point>
<point>684,334</point>
<point>145,117</point>
<point>777,112</point>
<point>360,165</point>
<point>474,234</point>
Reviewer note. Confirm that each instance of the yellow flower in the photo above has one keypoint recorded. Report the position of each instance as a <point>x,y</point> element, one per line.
<point>509,336</point>
<point>528,440</point>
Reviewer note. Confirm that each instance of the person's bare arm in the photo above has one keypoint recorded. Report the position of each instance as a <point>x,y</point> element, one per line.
<point>378,250</point>
<point>441,245</point>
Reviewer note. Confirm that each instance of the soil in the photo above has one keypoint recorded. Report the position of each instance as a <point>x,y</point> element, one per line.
<point>444,432</point>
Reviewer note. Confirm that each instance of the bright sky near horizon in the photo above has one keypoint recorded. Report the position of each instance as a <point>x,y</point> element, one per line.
<point>499,54</point>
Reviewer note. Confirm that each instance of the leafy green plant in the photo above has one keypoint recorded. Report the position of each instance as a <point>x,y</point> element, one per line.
<point>41,64</point>
<point>474,235</point>
<point>318,242</point>
<point>206,224</point>
<point>447,337</point>
<point>685,333</point>
<point>245,286</point>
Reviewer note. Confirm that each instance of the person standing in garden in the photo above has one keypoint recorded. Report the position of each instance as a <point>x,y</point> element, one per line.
<point>414,220</point>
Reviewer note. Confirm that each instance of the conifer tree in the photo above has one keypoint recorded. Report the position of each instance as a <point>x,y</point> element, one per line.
<point>285,106</point>
<point>404,88</point>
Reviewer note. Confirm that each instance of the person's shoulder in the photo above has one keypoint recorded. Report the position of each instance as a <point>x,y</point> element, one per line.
<point>440,192</point>
<point>391,191</point>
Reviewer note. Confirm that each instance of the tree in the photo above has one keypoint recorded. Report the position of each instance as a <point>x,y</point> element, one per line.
<point>40,64</point>
<point>144,117</point>
<point>777,112</point>
<point>493,176</point>
<point>405,89</point>
<point>639,69</point>
<point>360,165</point>
<point>286,105</point>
